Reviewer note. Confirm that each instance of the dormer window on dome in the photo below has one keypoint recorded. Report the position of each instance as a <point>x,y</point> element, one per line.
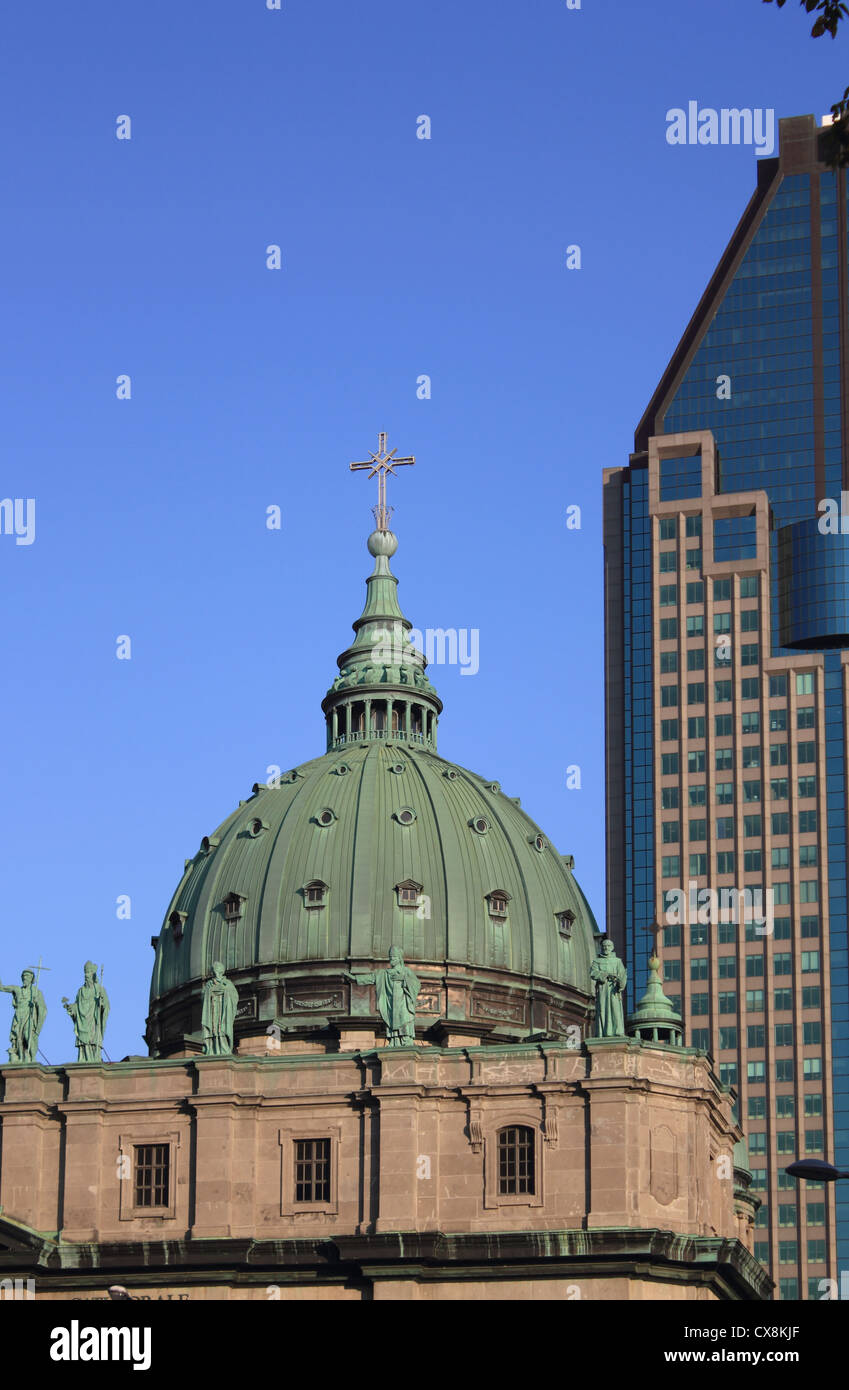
<point>176,922</point>
<point>233,906</point>
<point>256,827</point>
<point>209,843</point>
<point>565,923</point>
<point>497,903</point>
<point>409,893</point>
<point>480,825</point>
<point>315,894</point>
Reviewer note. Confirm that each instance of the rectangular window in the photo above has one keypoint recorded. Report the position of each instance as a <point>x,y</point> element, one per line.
<point>670,865</point>
<point>754,966</point>
<point>700,1038</point>
<point>777,720</point>
<point>722,692</point>
<point>807,787</point>
<point>751,791</point>
<point>668,696</point>
<point>672,969</point>
<point>728,1073</point>
<point>778,755</point>
<point>728,967</point>
<point>783,999</point>
<point>723,759</point>
<point>668,561</point>
<point>813,1141</point>
<point>696,693</point>
<point>784,1069</point>
<point>727,933</point>
<point>696,659</point>
<point>810,962</point>
<point>806,752</point>
<point>808,856</point>
<point>812,1034</point>
<point>725,827</point>
<point>784,1034</point>
<point>755,1037</point>
<point>728,1001</point>
<point>781,964</point>
<point>668,663</point>
<point>515,1161</point>
<point>734,538</point>
<point>750,723</point>
<point>755,1071</point>
<point>752,861</point>
<point>809,891</point>
<point>152,1175</point>
<point>787,1214</point>
<point>672,934</point>
<point>723,725</point>
<point>669,798</point>
<point>669,761</point>
<point>777,686</point>
<point>786,1141</point>
<point>668,595</point>
<point>781,857</point>
<point>812,1068</point>
<point>312,1170</point>
<point>725,793</point>
<point>696,726</point>
<point>693,559</point>
<point>749,654</point>
<point>785,1109</point>
<point>757,1108</point>
<point>698,865</point>
<point>781,822</point>
<point>816,1252</point>
<point>779,790</point>
<point>699,968</point>
<point>671,832</point>
<point>696,592</point>
<point>698,829</point>
<point>680,477</point>
<point>810,926</point>
<point>750,688</point>
<point>692,526</point>
<point>807,822</point>
<point>749,585</point>
<point>749,620</point>
<point>699,1004</point>
<point>805,684</point>
<point>696,760</point>
<point>751,755</point>
<point>815,1212</point>
<point>725,861</point>
<point>668,528</point>
<point>698,795</point>
<point>722,591</point>
<point>805,717</point>
<point>751,825</point>
<point>696,625</point>
<point>754,1000</point>
<point>698,934</point>
<point>811,997</point>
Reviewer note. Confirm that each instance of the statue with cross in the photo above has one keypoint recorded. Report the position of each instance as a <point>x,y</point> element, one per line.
<point>380,464</point>
<point>29,1014</point>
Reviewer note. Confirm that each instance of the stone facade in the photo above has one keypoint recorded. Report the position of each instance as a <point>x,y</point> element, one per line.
<point>630,1161</point>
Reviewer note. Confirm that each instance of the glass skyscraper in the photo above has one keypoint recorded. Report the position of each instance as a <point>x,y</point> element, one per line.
<point>727,654</point>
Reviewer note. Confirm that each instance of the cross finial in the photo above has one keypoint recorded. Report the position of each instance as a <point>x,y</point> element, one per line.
<point>37,969</point>
<point>381,463</point>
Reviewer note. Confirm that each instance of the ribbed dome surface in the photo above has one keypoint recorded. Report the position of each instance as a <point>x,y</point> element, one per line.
<point>362,855</point>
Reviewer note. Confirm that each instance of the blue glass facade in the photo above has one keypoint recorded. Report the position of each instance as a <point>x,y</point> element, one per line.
<point>762,372</point>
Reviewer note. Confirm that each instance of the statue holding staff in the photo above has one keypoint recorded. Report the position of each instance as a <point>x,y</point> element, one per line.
<point>89,1013</point>
<point>28,1018</point>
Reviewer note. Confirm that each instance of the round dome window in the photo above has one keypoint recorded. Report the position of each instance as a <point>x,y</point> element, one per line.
<point>325,817</point>
<point>405,816</point>
<point>480,826</point>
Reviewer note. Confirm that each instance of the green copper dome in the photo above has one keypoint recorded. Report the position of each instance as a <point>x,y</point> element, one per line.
<point>378,843</point>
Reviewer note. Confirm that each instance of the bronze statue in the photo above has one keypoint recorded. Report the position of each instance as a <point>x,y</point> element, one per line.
<point>397,992</point>
<point>220,1001</point>
<point>610,978</point>
<point>27,1019</point>
<point>89,1013</point>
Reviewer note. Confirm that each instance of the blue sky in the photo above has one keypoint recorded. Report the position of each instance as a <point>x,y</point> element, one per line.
<point>253,387</point>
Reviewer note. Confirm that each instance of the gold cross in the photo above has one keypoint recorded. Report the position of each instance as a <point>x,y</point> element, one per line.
<point>381,463</point>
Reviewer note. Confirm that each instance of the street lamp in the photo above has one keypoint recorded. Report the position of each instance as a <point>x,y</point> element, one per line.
<point>814,1170</point>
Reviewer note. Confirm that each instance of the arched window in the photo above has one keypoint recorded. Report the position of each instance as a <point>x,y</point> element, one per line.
<point>497,902</point>
<point>315,894</point>
<point>233,906</point>
<point>516,1161</point>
